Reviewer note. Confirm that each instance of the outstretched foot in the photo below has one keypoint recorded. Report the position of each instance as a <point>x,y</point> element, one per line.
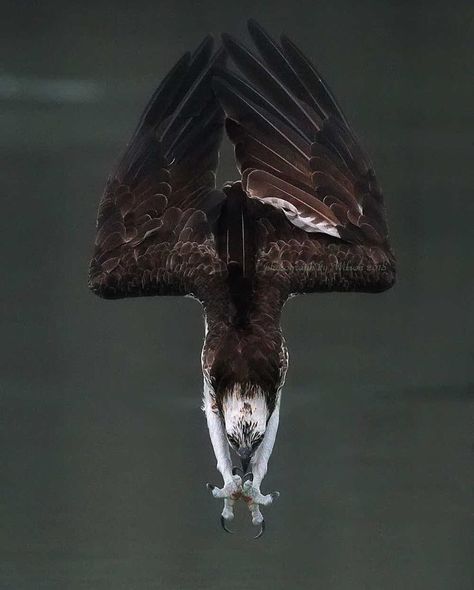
<point>254,498</point>
<point>231,492</point>
<point>250,493</point>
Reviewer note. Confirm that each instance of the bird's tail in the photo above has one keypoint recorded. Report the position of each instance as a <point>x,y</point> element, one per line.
<point>236,246</point>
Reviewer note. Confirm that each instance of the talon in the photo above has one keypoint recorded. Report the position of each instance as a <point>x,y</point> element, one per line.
<point>261,531</point>
<point>210,487</point>
<point>223,524</point>
<point>237,471</point>
<point>248,476</point>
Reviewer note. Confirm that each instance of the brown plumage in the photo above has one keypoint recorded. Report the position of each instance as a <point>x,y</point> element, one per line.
<point>154,227</point>
<point>306,216</point>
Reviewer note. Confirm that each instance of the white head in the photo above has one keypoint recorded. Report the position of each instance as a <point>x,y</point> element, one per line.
<point>246,414</point>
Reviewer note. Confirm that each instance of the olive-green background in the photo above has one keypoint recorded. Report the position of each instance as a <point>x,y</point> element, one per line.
<point>104,451</point>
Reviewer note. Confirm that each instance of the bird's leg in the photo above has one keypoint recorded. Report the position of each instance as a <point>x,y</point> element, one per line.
<point>232,487</point>
<point>259,465</point>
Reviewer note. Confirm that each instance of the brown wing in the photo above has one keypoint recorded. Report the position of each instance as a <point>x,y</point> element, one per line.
<point>154,227</point>
<point>325,229</point>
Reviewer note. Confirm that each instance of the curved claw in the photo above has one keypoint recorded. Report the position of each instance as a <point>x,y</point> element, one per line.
<point>224,526</point>
<point>209,486</point>
<point>261,531</point>
<point>237,471</point>
<point>248,476</point>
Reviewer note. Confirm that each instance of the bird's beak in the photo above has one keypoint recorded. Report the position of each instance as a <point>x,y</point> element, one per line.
<point>245,454</point>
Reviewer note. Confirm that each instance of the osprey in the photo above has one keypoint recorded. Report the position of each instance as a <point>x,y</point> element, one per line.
<point>306,216</point>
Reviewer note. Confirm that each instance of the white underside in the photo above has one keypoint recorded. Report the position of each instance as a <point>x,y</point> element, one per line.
<point>217,434</point>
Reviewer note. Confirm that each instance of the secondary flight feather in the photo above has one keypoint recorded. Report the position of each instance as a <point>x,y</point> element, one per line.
<point>307,215</point>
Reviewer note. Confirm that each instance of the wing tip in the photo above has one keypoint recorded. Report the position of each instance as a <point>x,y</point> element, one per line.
<point>205,46</point>
<point>258,33</point>
<point>254,25</point>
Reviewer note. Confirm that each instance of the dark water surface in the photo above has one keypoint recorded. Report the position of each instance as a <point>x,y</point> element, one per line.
<point>104,450</point>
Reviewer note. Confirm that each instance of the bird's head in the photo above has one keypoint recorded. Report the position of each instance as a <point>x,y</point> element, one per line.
<point>245,412</point>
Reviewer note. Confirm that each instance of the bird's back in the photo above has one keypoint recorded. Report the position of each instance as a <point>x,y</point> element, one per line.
<point>236,246</point>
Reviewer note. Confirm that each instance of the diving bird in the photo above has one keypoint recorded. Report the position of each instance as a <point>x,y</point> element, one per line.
<point>306,216</point>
